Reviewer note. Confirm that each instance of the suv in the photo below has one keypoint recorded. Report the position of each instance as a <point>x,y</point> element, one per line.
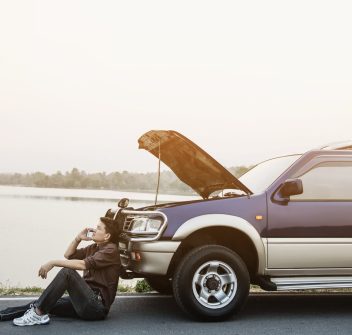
<point>286,224</point>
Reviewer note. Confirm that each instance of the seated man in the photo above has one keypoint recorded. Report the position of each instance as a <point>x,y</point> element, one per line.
<point>89,297</point>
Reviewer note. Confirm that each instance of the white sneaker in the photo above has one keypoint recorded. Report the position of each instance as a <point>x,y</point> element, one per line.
<point>31,318</point>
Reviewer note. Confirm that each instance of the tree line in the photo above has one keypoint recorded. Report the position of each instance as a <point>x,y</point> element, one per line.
<point>121,181</point>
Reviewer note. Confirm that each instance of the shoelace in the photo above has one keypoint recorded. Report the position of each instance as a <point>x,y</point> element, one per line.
<point>30,315</point>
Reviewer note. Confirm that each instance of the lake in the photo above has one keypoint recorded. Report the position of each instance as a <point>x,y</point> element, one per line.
<point>38,224</point>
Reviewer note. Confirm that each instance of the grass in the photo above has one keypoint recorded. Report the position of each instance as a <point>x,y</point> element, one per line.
<point>6,289</point>
<point>141,287</point>
<point>28,290</point>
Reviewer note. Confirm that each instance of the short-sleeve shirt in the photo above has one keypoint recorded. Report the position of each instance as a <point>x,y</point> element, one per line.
<point>103,268</point>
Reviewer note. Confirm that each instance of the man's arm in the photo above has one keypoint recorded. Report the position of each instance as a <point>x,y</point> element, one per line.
<point>75,264</point>
<point>74,244</point>
<point>72,247</point>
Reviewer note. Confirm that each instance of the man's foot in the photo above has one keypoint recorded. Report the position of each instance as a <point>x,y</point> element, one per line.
<point>31,318</point>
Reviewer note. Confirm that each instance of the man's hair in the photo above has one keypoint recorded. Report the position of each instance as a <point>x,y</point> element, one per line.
<point>112,228</point>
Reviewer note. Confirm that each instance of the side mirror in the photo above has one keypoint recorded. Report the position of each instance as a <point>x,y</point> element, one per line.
<point>291,187</point>
<point>285,190</point>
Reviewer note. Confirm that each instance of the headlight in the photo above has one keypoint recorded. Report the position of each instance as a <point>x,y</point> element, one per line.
<point>147,225</point>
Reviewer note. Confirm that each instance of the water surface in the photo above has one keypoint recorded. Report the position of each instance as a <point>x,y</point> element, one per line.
<point>38,224</point>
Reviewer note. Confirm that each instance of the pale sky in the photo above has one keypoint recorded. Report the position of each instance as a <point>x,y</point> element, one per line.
<point>80,81</point>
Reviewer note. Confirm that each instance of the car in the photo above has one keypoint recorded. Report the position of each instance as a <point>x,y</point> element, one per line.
<point>283,225</point>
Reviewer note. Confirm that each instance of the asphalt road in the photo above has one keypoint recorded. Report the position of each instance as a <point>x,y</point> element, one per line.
<point>270,313</point>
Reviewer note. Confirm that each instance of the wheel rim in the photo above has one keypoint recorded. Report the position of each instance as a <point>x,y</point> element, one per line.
<point>214,284</point>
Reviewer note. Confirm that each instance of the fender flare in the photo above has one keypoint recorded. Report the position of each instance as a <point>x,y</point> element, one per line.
<point>224,220</point>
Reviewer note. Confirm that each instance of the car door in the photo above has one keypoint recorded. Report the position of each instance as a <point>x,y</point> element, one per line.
<point>312,233</point>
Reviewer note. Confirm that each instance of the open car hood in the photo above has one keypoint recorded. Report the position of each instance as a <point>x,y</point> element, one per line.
<point>190,163</point>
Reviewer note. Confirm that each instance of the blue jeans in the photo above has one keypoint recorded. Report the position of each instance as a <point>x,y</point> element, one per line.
<point>83,302</point>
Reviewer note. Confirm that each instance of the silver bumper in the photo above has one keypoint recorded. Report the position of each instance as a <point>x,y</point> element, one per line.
<point>148,257</point>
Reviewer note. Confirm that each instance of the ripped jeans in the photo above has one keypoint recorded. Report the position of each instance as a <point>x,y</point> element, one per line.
<point>83,302</point>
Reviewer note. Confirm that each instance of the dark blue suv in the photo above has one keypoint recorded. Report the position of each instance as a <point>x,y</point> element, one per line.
<point>286,224</point>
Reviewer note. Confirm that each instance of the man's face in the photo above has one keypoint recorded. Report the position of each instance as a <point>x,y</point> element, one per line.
<point>100,235</point>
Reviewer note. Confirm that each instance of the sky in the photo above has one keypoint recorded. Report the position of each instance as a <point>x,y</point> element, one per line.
<point>80,81</point>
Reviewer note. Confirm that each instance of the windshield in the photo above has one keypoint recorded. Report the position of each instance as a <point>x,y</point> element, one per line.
<point>260,177</point>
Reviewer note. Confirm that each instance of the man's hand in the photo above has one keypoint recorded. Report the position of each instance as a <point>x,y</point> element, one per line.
<point>83,234</point>
<point>44,269</point>
<point>74,244</point>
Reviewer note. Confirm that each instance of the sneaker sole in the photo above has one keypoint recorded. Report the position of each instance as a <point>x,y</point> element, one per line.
<point>31,324</point>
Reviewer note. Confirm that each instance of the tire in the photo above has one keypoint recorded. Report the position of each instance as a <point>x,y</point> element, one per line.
<point>160,284</point>
<point>211,283</point>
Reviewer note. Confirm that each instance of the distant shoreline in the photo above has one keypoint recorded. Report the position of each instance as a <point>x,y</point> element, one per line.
<point>123,181</point>
<point>102,189</point>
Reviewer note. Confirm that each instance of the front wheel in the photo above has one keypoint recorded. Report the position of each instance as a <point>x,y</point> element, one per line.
<point>211,283</point>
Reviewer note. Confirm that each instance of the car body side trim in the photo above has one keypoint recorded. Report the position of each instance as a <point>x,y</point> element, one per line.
<point>310,240</point>
<point>309,272</point>
<point>309,253</point>
<point>306,283</point>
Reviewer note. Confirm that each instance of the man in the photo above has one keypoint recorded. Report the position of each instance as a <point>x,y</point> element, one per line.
<point>89,297</point>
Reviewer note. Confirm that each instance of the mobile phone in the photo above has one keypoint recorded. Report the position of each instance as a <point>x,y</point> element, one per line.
<point>90,233</point>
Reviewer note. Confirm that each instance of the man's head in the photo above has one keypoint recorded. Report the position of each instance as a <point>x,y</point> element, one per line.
<point>106,231</point>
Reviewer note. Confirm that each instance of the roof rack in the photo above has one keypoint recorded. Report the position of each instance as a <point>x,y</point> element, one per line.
<point>344,145</point>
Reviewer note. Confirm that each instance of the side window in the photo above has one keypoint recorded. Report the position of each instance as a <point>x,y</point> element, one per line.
<point>327,181</point>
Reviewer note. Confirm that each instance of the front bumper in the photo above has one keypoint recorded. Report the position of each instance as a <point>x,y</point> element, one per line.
<point>145,258</point>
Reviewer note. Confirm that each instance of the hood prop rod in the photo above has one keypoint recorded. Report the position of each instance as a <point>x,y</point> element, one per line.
<point>157,186</point>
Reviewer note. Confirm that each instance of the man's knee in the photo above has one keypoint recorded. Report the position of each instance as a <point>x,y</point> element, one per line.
<point>67,272</point>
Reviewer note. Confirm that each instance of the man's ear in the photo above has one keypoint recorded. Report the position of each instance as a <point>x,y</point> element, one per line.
<point>107,236</point>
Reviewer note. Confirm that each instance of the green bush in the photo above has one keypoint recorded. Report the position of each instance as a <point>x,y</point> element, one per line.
<point>143,286</point>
